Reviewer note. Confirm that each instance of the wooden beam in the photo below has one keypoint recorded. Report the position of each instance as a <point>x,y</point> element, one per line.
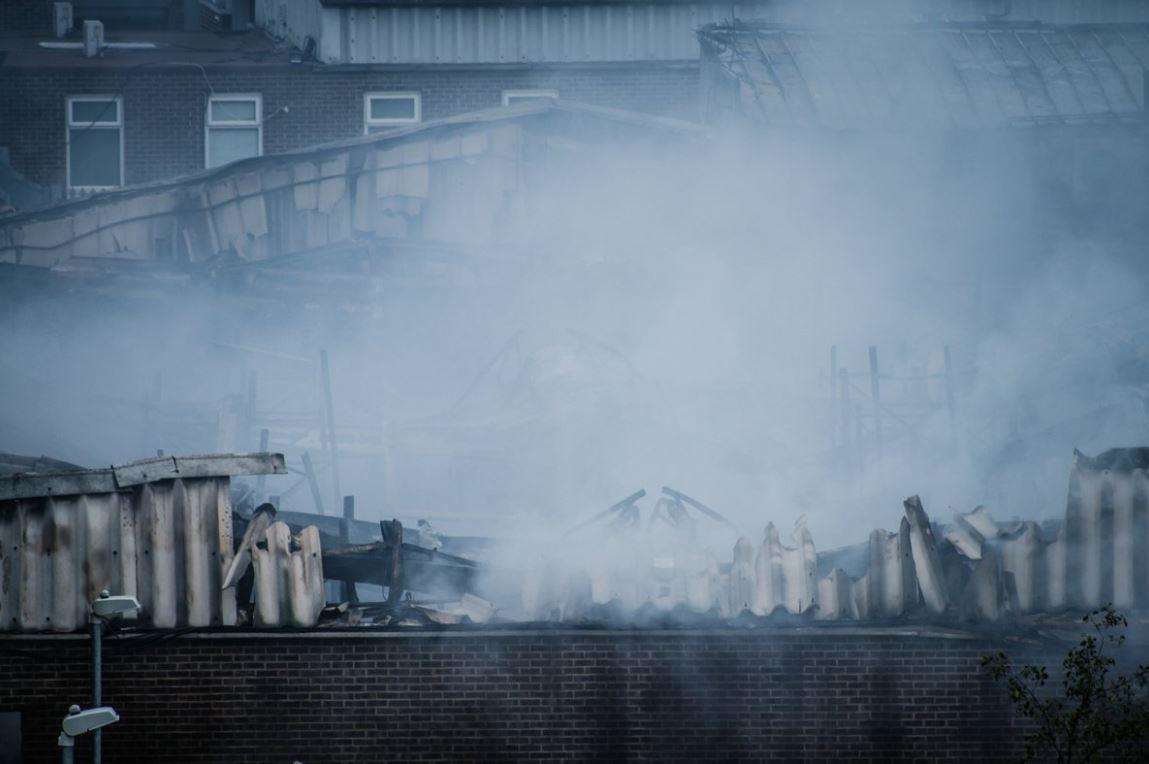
<point>349,591</point>
<point>393,539</point>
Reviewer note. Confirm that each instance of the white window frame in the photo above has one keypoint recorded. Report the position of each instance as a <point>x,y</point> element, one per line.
<point>393,95</point>
<point>209,124</point>
<point>511,95</point>
<point>69,126</point>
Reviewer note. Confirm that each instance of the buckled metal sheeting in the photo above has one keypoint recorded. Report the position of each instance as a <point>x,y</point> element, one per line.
<point>159,529</point>
<point>975,569</point>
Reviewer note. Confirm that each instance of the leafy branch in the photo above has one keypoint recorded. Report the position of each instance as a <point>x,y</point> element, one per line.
<point>1098,711</point>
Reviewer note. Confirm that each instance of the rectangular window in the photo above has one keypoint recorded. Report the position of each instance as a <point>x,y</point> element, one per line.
<point>95,150</point>
<point>234,129</point>
<point>386,110</point>
<point>517,97</point>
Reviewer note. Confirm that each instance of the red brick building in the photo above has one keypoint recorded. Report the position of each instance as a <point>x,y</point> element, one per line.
<point>194,99</point>
<point>309,71</point>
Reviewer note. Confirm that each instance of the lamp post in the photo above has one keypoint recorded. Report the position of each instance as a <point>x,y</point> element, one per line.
<point>104,609</point>
<point>78,722</point>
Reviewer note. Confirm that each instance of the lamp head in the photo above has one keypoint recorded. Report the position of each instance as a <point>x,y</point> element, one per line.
<point>107,606</point>
<point>78,722</point>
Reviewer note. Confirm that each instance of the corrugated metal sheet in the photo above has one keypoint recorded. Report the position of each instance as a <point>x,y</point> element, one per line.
<point>1106,534</point>
<point>952,76</point>
<point>519,34</point>
<point>288,577</point>
<point>504,32</point>
<point>975,569</point>
<point>167,541</point>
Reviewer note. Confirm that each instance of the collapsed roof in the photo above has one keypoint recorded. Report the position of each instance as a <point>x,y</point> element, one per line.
<point>448,182</point>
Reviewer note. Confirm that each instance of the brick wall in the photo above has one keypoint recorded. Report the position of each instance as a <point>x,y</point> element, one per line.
<point>26,16</point>
<point>164,108</point>
<point>605,695</point>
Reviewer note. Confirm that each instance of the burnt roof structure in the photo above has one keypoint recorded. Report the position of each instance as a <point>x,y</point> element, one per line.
<point>963,76</point>
<point>377,193</point>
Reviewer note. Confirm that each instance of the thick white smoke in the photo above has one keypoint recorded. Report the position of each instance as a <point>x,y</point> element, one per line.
<point>664,315</point>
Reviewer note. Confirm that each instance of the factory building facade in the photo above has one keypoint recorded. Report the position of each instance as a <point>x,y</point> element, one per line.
<point>161,101</point>
<point>179,86</point>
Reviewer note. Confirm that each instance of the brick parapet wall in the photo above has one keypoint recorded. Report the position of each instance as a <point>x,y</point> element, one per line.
<point>164,107</point>
<point>582,695</point>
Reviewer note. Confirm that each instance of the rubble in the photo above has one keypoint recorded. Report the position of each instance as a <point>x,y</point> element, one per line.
<point>927,563</point>
<point>418,568</point>
<point>162,520</point>
<point>972,570</point>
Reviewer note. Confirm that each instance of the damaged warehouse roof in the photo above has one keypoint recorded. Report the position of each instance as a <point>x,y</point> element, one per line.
<point>974,570</point>
<point>445,182</point>
<point>164,530</point>
<point>968,75</point>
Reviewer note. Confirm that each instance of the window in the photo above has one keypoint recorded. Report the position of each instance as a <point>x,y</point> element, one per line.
<point>234,129</point>
<point>517,97</point>
<point>95,142</point>
<point>385,110</point>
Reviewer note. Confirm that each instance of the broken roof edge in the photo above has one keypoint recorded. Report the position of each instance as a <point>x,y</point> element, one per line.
<point>30,485</point>
<point>320,151</point>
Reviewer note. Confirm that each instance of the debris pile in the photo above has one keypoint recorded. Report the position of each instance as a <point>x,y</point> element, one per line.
<point>975,569</point>
<point>163,530</point>
<point>287,572</point>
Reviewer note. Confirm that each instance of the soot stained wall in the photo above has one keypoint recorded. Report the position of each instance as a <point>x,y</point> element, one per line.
<point>590,695</point>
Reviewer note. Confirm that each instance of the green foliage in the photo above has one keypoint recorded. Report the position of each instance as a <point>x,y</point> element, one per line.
<point>1098,711</point>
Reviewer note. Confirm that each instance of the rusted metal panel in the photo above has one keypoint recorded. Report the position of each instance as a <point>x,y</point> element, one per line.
<point>166,541</point>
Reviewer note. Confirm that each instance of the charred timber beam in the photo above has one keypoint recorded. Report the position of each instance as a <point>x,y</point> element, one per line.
<point>349,592</point>
<point>711,513</point>
<point>400,566</point>
<point>616,507</point>
<point>393,540</point>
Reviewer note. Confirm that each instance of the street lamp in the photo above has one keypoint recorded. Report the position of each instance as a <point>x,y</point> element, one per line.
<point>104,609</point>
<point>78,722</point>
